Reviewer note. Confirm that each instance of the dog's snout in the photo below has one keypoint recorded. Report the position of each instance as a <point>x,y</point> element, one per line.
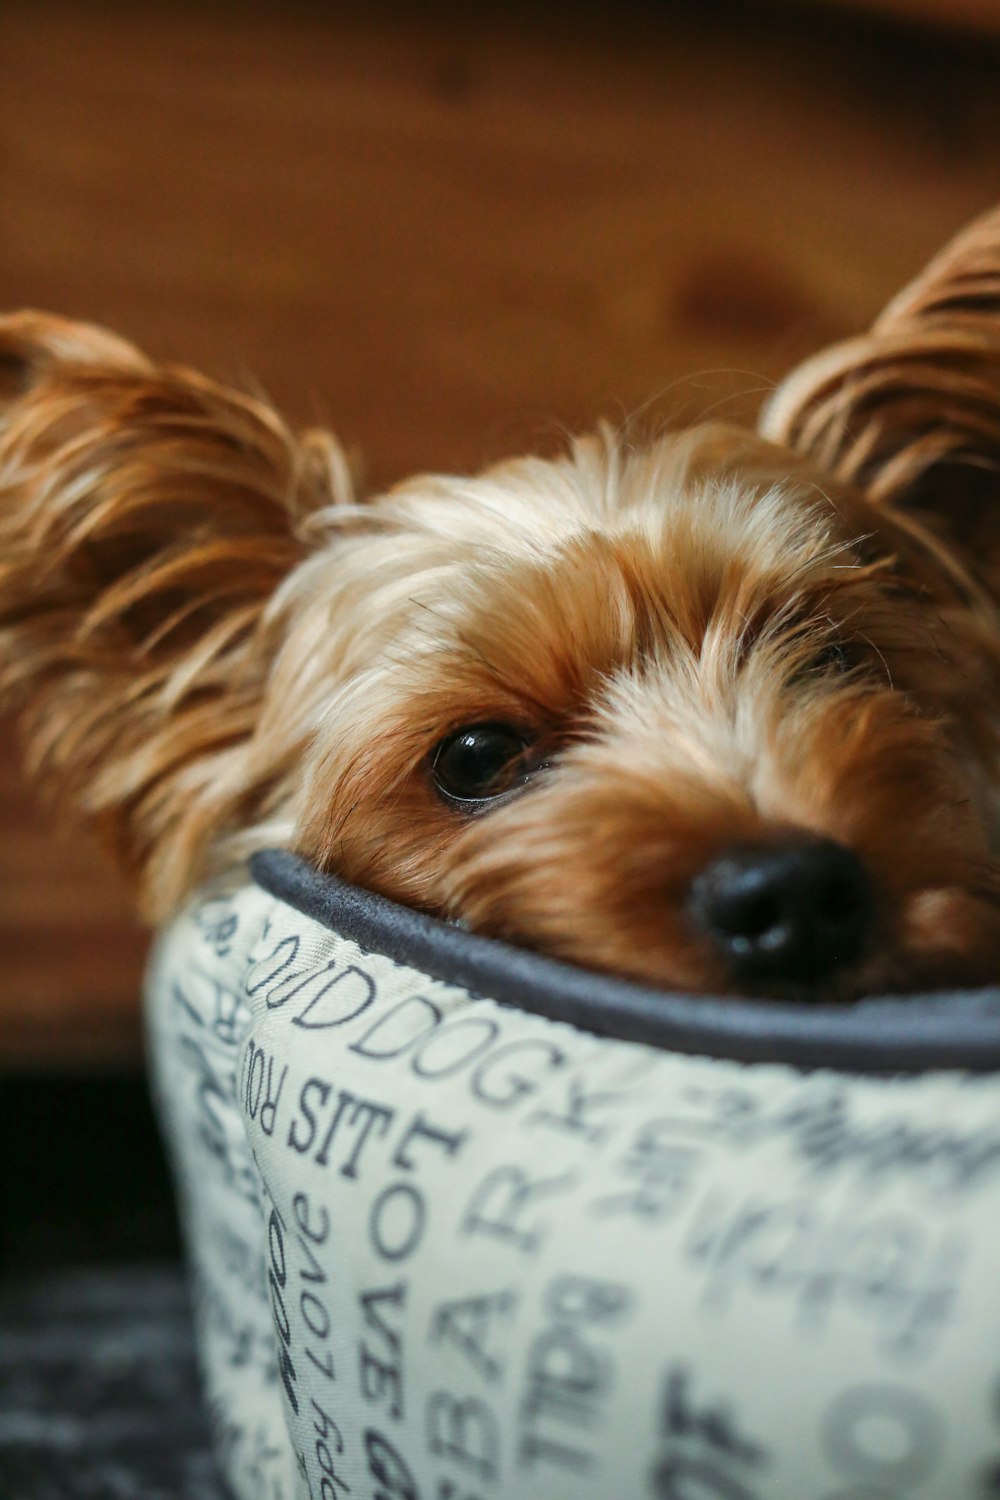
<point>791,912</point>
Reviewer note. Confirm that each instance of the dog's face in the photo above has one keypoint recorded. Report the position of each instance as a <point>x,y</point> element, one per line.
<point>717,712</point>
<point>691,718</point>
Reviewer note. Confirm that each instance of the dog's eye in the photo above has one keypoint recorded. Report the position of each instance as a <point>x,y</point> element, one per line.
<point>478,762</point>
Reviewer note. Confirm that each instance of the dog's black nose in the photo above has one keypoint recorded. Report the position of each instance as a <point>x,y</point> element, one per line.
<point>793,912</point>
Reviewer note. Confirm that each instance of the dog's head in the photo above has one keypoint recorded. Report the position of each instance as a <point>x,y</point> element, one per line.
<point>719,711</point>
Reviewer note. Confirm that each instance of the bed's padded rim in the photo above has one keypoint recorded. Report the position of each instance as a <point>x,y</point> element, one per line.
<point>910,1034</point>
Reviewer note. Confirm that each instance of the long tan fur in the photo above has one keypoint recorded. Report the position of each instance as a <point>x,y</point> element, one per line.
<point>147,516</point>
<point>716,641</point>
<point>909,412</point>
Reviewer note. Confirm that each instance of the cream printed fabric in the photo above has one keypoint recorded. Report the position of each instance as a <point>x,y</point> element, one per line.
<point>446,1250</point>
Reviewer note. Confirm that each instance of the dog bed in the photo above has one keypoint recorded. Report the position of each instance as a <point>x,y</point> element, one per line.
<point>467,1223</point>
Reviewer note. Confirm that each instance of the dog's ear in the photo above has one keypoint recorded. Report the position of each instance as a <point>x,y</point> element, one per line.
<point>147,515</point>
<point>33,344</point>
<point>910,412</point>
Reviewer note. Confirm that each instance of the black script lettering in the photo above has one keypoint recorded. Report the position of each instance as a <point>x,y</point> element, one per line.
<point>277,1277</point>
<point>254,1065</point>
<point>363,1114</point>
<point>897,1271</point>
<point>580,1297</point>
<point>262,1095</point>
<point>496,1084</point>
<point>535,1448</point>
<point>565,1376</point>
<point>659,1174</point>
<point>381,1372</point>
<point>682,1476</point>
<point>334,1001</point>
<point>266,970</point>
<point>303,1142</point>
<point>312,1271</point>
<point>712,1425</point>
<point>469,1324</point>
<point>464,1431</point>
<point>240,1259</point>
<point>300,1209</point>
<point>420,1129</point>
<point>324,1366</point>
<point>218,924</point>
<point>215,1095</point>
<point>502,1200</point>
<point>569,1374</point>
<point>399,1029</point>
<point>827,1132</point>
<point>314,1315</point>
<point>331,1481</point>
<point>389,1469</point>
<point>706,1457</point>
<point>396,1222</point>
<point>211,1005</point>
<point>180,997</point>
<point>453,1045</point>
<point>326,1426</point>
<point>577,1116</point>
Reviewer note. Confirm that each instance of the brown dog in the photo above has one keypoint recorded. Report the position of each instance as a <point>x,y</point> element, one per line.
<point>720,713</point>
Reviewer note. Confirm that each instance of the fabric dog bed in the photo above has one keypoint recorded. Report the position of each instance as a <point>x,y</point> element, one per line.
<point>468,1223</point>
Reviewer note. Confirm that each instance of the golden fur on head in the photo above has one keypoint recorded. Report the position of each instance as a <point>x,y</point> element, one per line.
<point>719,643</point>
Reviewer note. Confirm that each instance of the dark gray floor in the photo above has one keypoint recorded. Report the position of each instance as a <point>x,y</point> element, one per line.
<point>99,1394</point>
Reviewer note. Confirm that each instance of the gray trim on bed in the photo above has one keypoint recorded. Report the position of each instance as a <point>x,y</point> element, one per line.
<point>902,1034</point>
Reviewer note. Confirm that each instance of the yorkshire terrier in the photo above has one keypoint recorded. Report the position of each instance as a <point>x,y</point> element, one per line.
<point>719,712</point>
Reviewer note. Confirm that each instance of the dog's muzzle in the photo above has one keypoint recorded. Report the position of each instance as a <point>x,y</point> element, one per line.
<point>794,912</point>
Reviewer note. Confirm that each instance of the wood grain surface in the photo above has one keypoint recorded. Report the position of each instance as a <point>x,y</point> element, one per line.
<point>450,236</point>
<point>970,16</point>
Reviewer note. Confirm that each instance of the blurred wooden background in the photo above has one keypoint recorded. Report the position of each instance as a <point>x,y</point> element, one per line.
<point>451,232</point>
